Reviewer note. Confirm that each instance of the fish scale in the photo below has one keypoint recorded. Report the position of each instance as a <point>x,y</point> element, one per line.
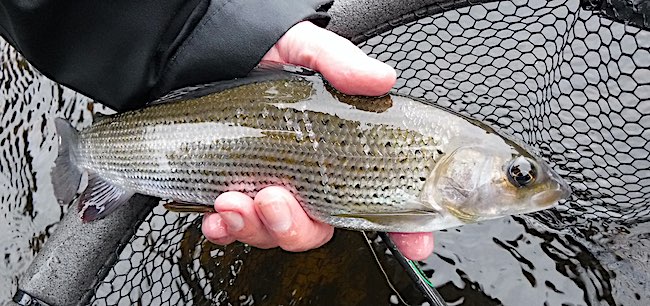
<point>350,161</point>
<point>344,157</point>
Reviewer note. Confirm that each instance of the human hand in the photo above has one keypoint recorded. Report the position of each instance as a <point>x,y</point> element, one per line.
<point>274,217</point>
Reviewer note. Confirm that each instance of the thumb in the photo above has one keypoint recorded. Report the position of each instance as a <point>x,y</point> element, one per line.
<point>342,63</point>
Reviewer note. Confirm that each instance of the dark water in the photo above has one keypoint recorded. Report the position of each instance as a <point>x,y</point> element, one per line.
<point>28,210</point>
<point>572,84</point>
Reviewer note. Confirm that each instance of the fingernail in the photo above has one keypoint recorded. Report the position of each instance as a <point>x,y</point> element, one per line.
<point>277,215</point>
<point>215,226</point>
<point>233,220</point>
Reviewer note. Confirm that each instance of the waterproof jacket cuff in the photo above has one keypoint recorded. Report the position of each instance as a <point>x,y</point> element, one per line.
<point>232,37</point>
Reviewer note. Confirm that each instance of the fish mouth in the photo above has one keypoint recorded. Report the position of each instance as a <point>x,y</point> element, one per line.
<point>547,198</point>
<point>563,186</point>
<point>553,196</point>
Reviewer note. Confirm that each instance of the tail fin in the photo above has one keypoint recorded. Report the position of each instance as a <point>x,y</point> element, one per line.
<point>66,175</point>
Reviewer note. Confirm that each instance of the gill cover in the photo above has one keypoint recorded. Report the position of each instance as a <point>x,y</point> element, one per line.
<point>459,175</point>
<point>484,182</point>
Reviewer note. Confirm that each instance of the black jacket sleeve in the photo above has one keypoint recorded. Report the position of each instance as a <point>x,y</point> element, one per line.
<point>124,53</point>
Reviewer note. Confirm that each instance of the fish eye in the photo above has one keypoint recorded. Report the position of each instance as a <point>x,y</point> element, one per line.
<point>522,172</point>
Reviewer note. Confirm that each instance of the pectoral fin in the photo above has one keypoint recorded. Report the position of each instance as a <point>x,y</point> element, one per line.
<point>183,207</point>
<point>100,198</point>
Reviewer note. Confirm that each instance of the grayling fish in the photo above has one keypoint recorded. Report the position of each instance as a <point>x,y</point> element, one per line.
<point>391,163</point>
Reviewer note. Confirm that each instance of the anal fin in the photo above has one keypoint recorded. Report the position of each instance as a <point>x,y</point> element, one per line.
<point>100,198</point>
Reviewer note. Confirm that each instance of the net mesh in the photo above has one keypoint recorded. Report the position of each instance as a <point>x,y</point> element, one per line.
<point>169,262</point>
<point>569,82</point>
<point>572,84</point>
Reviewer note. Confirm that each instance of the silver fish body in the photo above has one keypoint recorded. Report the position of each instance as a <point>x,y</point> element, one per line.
<point>389,164</point>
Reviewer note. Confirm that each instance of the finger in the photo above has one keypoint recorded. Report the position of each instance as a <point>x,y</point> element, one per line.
<point>241,221</point>
<point>286,220</point>
<point>414,246</point>
<point>214,229</point>
<point>342,63</point>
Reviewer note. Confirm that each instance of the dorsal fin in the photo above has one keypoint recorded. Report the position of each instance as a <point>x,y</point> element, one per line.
<point>265,71</point>
<point>271,67</point>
